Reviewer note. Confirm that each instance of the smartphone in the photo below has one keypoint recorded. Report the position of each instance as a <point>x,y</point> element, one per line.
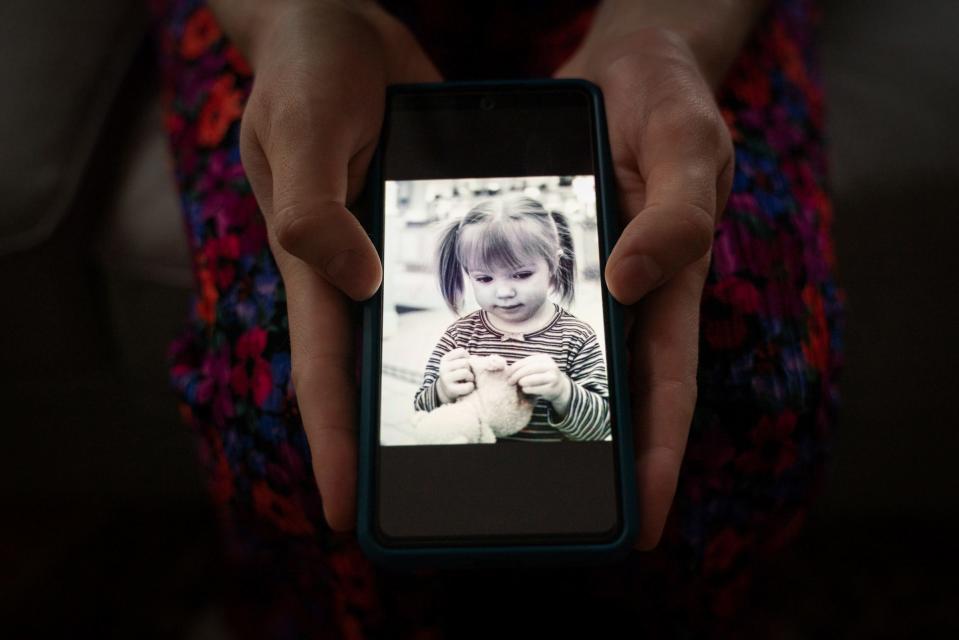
<point>494,412</point>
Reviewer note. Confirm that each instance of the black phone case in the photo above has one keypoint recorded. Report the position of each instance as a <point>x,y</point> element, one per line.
<point>372,313</point>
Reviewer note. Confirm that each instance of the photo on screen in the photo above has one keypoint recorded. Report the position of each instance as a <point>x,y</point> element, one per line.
<point>492,313</point>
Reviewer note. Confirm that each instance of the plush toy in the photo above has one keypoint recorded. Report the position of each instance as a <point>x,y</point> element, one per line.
<point>495,408</point>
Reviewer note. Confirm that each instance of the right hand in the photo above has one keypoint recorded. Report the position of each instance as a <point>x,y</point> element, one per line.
<point>456,377</point>
<point>308,133</point>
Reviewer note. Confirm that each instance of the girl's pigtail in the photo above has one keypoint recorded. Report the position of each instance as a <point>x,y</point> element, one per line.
<point>448,268</point>
<point>566,267</point>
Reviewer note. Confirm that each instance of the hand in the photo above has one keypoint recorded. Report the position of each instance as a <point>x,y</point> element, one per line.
<point>538,375</point>
<point>456,377</point>
<point>308,133</point>
<point>673,162</point>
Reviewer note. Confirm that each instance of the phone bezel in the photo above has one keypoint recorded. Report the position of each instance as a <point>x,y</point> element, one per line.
<point>465,554</point>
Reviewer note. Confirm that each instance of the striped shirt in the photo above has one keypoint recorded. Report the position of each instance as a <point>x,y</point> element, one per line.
<point>573,346</point>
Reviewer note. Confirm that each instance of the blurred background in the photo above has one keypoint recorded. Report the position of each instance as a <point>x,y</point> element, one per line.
<point>105,525</point>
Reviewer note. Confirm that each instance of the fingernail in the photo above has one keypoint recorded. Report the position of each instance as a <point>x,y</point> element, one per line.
<point>636,276</point>
<point>351,273</point>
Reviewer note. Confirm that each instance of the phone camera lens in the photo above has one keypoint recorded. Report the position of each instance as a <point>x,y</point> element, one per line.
<point>487,103</point>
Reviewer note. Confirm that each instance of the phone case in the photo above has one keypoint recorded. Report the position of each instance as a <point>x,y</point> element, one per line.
<point>458,557</point>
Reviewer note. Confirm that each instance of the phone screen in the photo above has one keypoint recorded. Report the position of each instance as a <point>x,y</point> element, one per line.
<point>492,258</point>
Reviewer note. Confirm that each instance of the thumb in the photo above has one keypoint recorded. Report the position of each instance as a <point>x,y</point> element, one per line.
<point>318,159</point>
<point>307,157</point>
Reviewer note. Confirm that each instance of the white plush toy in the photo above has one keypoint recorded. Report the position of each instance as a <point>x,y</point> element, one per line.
<point>495,408</point>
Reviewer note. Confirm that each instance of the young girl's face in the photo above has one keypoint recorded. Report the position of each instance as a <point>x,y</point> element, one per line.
<point>512,295</point>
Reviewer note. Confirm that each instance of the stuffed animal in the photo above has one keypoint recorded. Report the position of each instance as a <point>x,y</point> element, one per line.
<point>495,408</point>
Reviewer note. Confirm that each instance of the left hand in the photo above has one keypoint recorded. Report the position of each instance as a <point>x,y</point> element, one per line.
<point>673,162</point>
<point>538,375</point>
<point>308,134</point>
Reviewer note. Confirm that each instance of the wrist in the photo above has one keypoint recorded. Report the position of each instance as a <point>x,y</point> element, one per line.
<point>706,36</point>
<point>441,394</point>
<point>565,395</point>
<point>244,21</point>
<point>252,24</point>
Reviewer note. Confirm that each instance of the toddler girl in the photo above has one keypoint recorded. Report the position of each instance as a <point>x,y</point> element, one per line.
<point>514,252</point>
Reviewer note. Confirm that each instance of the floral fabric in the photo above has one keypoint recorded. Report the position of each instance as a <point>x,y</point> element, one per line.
<point>770,354</point>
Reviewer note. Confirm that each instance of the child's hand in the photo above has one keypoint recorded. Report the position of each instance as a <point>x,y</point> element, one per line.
<point>538,375</point>
<point>456,377</point>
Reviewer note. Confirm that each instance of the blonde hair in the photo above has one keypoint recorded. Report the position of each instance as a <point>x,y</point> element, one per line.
<point>508,230</point>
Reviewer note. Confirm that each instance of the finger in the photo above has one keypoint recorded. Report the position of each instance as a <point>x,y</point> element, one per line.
<point>680,157</point>
<point>313,223</point>
<point>319,135</point>
<point>540,390</point>
<point>724,186</point>
<point>537,379</point>
<point>457,352</point>
<point>629,319</point>
<point>461,389</point>
<point>518,363</point>
<point>344,253</point>
<point>460,375</point>
<point>663,380</point>
<point>531,364</point>
<point>455,365</point>
<point>522,372</point>
<point>311,150</point>
<point>321,342</point>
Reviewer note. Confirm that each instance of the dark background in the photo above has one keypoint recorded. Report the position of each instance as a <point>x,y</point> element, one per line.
<point>105,525</point>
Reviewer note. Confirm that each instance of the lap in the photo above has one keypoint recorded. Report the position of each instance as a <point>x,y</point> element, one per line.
<point>767,377</point>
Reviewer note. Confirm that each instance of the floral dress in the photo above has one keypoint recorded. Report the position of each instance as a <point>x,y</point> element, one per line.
<point>769,358</point>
